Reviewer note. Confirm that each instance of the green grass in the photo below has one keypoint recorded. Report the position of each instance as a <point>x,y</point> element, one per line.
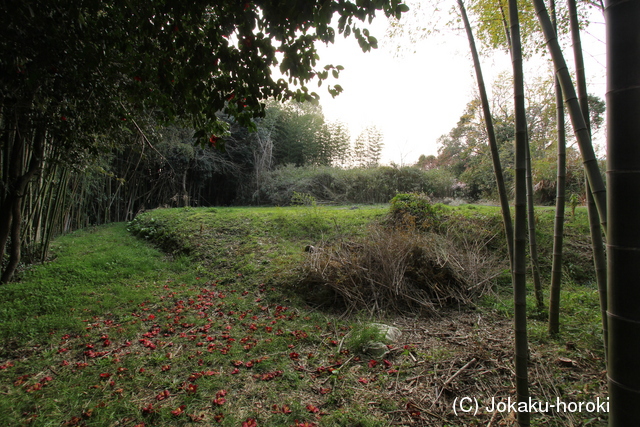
<point>115,332</point>
<point>97,271</point>
<point>580,318</point>
<point>120,334</point>
<point>266,243</point>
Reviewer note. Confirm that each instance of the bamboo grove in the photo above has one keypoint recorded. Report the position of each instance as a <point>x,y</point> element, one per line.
<point>163,166</point>
<point>76,78</point>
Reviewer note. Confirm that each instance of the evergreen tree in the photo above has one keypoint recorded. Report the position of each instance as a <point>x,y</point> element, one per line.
<point>375,144</point>
<point>340,143</point>
<point>368,147</point>
<point>359,152</point>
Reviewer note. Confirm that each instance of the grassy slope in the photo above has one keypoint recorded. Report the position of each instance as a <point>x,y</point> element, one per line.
<point>251,240</point>
<point>94,273</point>
<point>114,333</point>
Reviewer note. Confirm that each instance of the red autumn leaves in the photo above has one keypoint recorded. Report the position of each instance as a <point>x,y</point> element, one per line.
<point>194,329</point>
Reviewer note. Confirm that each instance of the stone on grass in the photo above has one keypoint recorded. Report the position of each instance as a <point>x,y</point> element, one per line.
<point>390,334</point>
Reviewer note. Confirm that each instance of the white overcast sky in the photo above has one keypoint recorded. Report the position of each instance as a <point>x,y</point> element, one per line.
<point>417,97</point>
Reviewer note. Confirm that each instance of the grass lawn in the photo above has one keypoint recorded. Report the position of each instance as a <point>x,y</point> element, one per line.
<point>214,330</point>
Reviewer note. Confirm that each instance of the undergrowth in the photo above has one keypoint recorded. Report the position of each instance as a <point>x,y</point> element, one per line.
<point>212,332</point>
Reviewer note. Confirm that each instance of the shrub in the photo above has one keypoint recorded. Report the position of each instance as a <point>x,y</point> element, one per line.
<point>336,185</point>
<point>361,335</point>
<point>411,209</point>
<point>303,199</point>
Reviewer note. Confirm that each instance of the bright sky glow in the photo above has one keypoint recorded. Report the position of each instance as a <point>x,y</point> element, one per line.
<point>416,98</point>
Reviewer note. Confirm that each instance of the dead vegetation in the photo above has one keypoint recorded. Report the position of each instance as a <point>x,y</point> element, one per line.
<point>469,354</point>
<point>401,270</point>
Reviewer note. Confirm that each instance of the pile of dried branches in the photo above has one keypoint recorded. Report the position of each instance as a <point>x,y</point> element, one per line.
<point>401,270</point>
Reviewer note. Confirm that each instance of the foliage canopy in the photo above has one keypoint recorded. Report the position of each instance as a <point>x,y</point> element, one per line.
<point>89,65</point>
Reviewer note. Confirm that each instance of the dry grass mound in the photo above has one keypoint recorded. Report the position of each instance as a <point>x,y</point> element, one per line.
<point>395,270</point>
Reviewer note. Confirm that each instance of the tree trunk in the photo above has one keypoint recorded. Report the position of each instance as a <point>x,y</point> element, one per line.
<point>575,113</point>
<point>531,221</point>
<point>11,215</point>
<point>600,263</point>
<point>16,243</point>
<point>558,225</point>
<point>597,244</point>
<point>493,145</point>
<point>520,232</point>
<point>13,148</point>
<point>623,232</point>
<point>54,223</point>
<point>505,23</point>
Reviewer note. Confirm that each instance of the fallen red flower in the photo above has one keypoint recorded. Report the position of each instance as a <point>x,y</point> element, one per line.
<point>163,395</point>
<point>148,409</point>
<point>250,423</point>
<point>196,418</point>
<point>178,411</point>
<point>284,410</point>
<point>268,376</point>
<point>34,387</point>
<point>219,401</point>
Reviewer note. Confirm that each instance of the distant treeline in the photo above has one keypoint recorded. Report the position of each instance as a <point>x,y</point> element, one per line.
<point>291,151</point>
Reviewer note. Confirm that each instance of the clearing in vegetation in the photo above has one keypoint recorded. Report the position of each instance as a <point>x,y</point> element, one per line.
<point>234,324</point>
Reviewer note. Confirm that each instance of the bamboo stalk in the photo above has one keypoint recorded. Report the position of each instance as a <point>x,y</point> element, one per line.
<point>519,259</point>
